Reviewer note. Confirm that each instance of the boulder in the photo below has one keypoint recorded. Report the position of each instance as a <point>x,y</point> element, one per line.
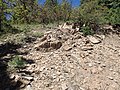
<point>55,44</point>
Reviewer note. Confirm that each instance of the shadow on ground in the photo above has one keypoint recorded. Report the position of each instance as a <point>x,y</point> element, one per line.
<point>5,82</point>
<point>9,48</point>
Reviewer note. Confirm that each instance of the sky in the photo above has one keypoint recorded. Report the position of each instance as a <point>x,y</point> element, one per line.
<point>75,3</point>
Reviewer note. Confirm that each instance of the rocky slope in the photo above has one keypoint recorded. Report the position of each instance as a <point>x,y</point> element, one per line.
<point>66,60</point>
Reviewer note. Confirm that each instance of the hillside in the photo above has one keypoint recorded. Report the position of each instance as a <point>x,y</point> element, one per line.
<point>65,59</point>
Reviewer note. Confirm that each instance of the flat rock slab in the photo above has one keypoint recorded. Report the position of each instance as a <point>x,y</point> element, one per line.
<point>93,40</point>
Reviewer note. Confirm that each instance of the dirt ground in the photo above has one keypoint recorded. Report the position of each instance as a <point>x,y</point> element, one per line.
<point>67,60</point>
<point>78,64</point>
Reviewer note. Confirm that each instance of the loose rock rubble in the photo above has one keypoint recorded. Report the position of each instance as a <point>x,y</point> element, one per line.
<point>69,61</point>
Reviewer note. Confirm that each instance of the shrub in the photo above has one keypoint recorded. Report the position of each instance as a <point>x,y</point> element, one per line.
<point>16,62</point>
<point>37,34</point>
<point>86,30</point>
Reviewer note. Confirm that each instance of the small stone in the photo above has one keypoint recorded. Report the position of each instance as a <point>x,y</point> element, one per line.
<point>89,52</point>
<point>93,40</point>
<point>81,88</point>
<point>12,76</point>
<point>28,78</point>
<point>67,48</point>
<point>25,46</point>
<point>42,68</point>
<point>114,73</point>
<point>82,55</point>
<point>77,29</point>
<point>29,87</point>
<point>48,32</point>
<point>8,55</point>
<point>85,80</point>
<point>64,87</point>
<point>25,82</point>
<point>86,48</point>
<point>100,69</point>
<point>43,38</point>
<point>90,64</point>
<point>103,65</point>
<point>98,62</point>
<point>47,83</point>
<point>101,36</point>
<point>17,77</point>
<point>54,76</point>
<point>111,69</point>
<point>111,78</point>
<point>78,36</point>
<point>86,54</point>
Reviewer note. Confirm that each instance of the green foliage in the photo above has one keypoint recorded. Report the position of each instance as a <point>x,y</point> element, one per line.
<point>86,30</point>
<point>110,3</point>
<point>51,3</point>
<point>113,13</point>
<point>91,12</point>
<point>114,16</point>
<point>24,28</point>
<point>23,11</point>
<point>100,11</point>
<point>30,12</point>
<point>37,34</point>
<point>16,62</point>
<point>6,27</point>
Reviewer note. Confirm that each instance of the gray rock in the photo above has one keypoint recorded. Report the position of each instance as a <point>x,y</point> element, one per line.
<point>12,76</point>
<point>67,48</point>
<point>85,48</point>
<point>102,37</point>
<point>17,77</point>
<point>93,39</point>
<point>25,82</point>
<point>90,64</point>
<point>42,68</point>
<point>111,78</point>
<point>28,78</point>
<point>29,87</point>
